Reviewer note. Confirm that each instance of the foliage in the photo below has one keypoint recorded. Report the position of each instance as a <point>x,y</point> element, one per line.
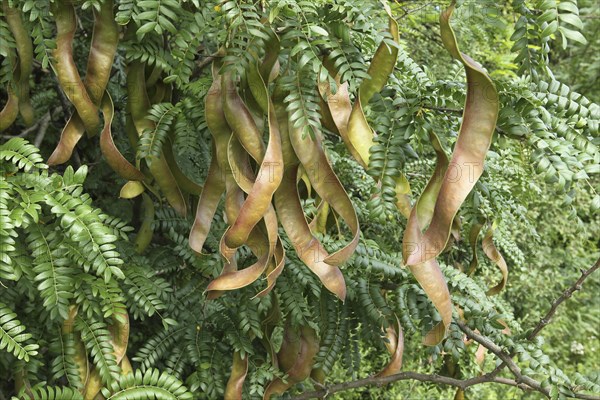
<point>105,295</point>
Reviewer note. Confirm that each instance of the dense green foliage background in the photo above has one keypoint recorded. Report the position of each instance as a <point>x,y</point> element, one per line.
<point>540,187</point>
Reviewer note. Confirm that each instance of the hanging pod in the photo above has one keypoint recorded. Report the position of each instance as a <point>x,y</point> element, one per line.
<point>428,273</point>
<point>395,346</point>
<point>466,165</point>
<point>86,96</point>
<point>139,104</point>
<point>24,47</point>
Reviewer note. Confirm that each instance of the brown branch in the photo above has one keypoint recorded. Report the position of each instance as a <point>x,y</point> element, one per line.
<point>403,376</point>
<point>545,320</point>
<point>564,296</point>
<point>521,381</point>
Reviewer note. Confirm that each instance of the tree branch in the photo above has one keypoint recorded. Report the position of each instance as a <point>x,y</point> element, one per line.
<point>403,376</point>
<point>521,381</point>
<point>565,295</point>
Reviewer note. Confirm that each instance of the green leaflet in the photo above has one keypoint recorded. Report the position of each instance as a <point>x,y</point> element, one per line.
<point>113,156</point>
<point>466,166</point>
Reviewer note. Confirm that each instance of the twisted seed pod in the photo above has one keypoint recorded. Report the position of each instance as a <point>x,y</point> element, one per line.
<point>428,274</point>
<point>395,346</point>
<point>239,370</point>
<point>474,139</point>
<point>80,355</point>
<point>65,68</point>
<point>9,113</point>
<point>25,51</point>
<point>473,235</point>
<point>296,363</point>
<point>494,255</point>
<point>103,47</point>
<point>214,186</point>
<point>139,104</point>
<point>327,185</point>
<point>267,180</point>
<point>113,156</point>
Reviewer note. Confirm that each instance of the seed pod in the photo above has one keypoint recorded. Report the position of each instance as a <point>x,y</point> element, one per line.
<point>113,156</point>
<point>395,346</point>
<point>473,235</point>
<point>9,113</point>
<point>144,235</point>
<point>80,355</point>
<point>268,179</point>
<point>105,39</point>
<point>474,139</point>
<point>65,68</point>
<point>428,274</point>
<point>139,104</point>
<point>326,183</point>
<point>235,384</point>
<point>25,51</point>
<point>185,183</point>
<point>494,255</point>
<point>131,189</point>
<point>358,135</point>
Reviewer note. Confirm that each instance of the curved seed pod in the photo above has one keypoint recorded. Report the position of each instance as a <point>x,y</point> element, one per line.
<point>275,269</point>
<point>207,205</point>
<point>395,346</point>
<point>268,179</point>
<point>239,370</point>
<point>119,332</point>
<point>138,106</point>
<point>474,139</point>
<point>80,356</point>
<point>126,366</point>
<point>144,236</point>
<point>9,113</point>
<point>473,235</point>
<point>215,184</point>
<point>327,185</point>
<point>494,255</point>
<point>428,274</point>
<point>131,190</point>
<point>65,68</point>
<point>402,196</point>
<point>308,248</point>
<point>100,59</point>
<point>113,156</point>
<point>185,183</point>
<point>240,119</point>
<point>25,51</point>
<point>93,387</point>
<point>302,366</point>
<point>359,134</point>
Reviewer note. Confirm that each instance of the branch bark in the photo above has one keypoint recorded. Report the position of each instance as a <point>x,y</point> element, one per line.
<point>521,381</point>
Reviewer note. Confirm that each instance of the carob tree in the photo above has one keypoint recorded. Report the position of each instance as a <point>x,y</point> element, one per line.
<point>255,265</point>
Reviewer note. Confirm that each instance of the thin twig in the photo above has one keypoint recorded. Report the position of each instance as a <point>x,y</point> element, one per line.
<point>545,320</point>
